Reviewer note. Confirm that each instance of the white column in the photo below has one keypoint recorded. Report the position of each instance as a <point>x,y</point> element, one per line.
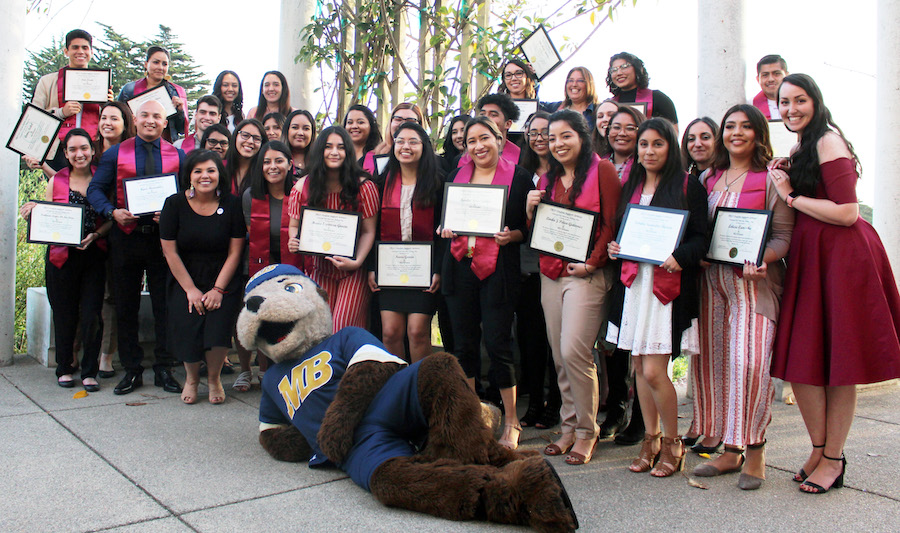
<point>295,15</point>
<point>721,69</point>
<point>12,59</point>
<point>887,121</point>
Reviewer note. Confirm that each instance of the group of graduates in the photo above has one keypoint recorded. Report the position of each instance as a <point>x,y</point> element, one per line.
<point>820,311</point>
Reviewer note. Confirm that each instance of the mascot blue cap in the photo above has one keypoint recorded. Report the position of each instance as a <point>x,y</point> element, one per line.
<point>270,272</point>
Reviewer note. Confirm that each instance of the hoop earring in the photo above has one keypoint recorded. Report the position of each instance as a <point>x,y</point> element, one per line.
<point>192,192</point>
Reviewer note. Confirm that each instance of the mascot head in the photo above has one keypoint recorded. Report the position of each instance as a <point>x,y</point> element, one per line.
<point>285,313</point>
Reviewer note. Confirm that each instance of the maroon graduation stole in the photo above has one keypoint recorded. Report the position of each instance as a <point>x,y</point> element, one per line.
<point>126,167</point>
<point>761,102</point>
<point>486,250</point>
<point>422,218</point>
<point>644,96</point>
<point>90,113</point>
<point>59,254</point>
<point>666,285</point>
<point>259,234</point>
<point>189,143</point>
<point>589,199</point>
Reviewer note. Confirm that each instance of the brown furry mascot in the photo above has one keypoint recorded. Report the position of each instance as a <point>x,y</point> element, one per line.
<point>413,435</point>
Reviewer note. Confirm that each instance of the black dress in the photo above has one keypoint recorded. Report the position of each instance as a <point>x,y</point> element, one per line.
<point>203,243</point>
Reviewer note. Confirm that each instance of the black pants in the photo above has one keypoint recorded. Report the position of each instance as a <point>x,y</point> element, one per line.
<point>619,380</point>
<point>474,307</point>
<point>531,333</point>
<point>76,291</point>
<point>132,255</point>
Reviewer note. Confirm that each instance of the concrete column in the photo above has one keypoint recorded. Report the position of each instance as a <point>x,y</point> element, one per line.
<point>721,68</point>
<point>295,15</point>
<point>12,60</point>
<point>887,121</point>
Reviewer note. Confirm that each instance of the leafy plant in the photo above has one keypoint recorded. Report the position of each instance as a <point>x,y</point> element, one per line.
<point>29,257</point>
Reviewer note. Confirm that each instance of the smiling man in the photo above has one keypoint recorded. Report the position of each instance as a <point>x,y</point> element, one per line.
<point>134,242</point>
<point>209,110</point>
<point>770,70</point>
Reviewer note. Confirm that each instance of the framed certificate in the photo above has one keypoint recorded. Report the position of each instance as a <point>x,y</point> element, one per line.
<point>381,162</point>
<point>539,50</point>
<point>159,94</point>
<point>87,85</point>
<point>34,133</point>
<point>56,223</point>
<point>562,231</point>
<point>639,106</point>
<point>526,109</point>
<point>403,265</point>
<point>739,235</point>
<point>650,234</point>
<point>329,232</point>
<point>471,209</point>
<point>782,139</point>
<point>147,194</point>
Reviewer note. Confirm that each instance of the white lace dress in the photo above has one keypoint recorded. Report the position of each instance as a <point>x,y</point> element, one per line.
<point>646,326</point>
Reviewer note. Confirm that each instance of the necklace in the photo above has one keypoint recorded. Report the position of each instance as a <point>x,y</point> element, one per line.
<point>728,184</point>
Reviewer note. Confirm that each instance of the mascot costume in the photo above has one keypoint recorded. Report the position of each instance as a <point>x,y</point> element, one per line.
<point>415,436</point>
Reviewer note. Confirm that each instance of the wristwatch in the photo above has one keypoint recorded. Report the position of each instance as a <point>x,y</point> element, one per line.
<point>790,199</point>
<point>109,213</point>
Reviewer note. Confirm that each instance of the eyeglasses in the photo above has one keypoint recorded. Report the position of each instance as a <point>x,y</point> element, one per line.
<point>400,120</point>
<point>246,135</point>
<point>412,143</point>
<point>517,75</point>
<point>622,67</point>
<point>618,128</point>
<point>573,81</point>
<point>212,143</point>
<point>534,134</point>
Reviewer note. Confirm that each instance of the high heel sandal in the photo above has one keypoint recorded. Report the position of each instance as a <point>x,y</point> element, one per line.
<point>553,449</point>
<point>708,470</point>
<point>510,437</point>
<point>746,481</point>
<point>532,415</point>
<point>801,476</point>
<point>836,484</point>
<point>576,459</point>
<point>646,459</point>
<point>668,462</point>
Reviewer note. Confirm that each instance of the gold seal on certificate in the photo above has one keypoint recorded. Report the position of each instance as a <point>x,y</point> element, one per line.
<point>87,85</point>
<point>650,234</point>
<point>329,232</point>
<point>56,223</point>
<point>147,194</point>
<point>403,265</point>
<point>159,94</point>
<point>34,133</point>
<point>471,209</point>
<point>563,231</point>
<point>739,235</point>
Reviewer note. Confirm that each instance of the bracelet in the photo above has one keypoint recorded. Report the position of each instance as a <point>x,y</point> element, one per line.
<point>220,291</point>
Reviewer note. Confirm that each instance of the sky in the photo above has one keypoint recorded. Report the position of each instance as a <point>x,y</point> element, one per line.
<point>832,40</point>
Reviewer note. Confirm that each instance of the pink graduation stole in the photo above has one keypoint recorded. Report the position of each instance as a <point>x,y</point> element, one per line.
<point>644,96</point>
<point>126,167</point>
<point>752,194</point>
<point>59,254</point>
<point>486,249</point>
<point>369,163</point>
<point>189,143</point>
<point>90,113</point>
<point>422,218</point>
<point>762,103</point>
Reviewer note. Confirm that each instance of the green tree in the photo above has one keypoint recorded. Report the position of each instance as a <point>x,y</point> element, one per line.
<point>181,64</point>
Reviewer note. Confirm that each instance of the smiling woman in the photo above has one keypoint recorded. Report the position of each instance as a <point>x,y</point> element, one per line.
<point>157,69</point>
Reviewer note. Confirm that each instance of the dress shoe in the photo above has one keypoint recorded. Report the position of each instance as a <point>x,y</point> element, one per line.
<point>104,374</point>
<point>166,380</point>
<point>131,381</point>
<point>65,383</point>
<point>634,433</point>
<point>614,423</point>
<point>91,387</point>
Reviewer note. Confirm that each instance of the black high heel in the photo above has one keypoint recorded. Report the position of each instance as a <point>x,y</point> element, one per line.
<point>532,415</point>
<point>838,481</point>
<point>801,476</point>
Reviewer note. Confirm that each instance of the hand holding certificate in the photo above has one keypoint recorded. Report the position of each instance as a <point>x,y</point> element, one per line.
<point>34,133</point>
<point>403,265</point>
<point>477,210</point>
<point>650,234</point>
<point>147,194</point>
<point>563,232</point>
<point>739,235</point>
<point>56,223</point>
<point>159,94</point>
<point>327,232</point>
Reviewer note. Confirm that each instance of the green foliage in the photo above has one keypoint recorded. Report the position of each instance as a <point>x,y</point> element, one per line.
<point>29,257</point>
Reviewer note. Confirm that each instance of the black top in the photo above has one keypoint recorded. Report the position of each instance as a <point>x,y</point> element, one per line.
<point>662,104</point>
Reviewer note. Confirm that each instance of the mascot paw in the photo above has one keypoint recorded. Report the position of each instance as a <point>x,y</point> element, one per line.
<point>528,492</point>
<point>285,443</point>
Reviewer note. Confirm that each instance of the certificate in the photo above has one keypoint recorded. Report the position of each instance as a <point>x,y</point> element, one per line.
<point>562,231</point>
<point>159,94</point>
<point>782,139</point>
<point>87,85</point>
<point>147,194</point>
<point>329,232</point>
<point>34,133</point>
<point>471,209</point>
<point>526,109</point>
<point>381,162</point>
<point>739,235</point>
<point>403,265</point>
<point>650,234</point>
<point>56,223</point>
<point>538,50</point>
<point>638,106</point>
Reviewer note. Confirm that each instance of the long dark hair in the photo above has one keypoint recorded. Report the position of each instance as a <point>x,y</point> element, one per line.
<point>670,189</point>
<point>762,152</point>
<point>77,132</point>
<point>640,72</point>
<point>284,102</point>
<point>450,151</point>
<point>576,121</point>
<point>690,164</point>
<point>375,137</point>
<point>194,158</point>
<point>528,158</point>
<point>238,104</point>
<point>259,187</point>
<point>804,171</point>
<point>348,175</point>
<point>429,179</point>
<point>127,121</point>
<point>529,81</point>
<point>233,157</point>
<point>600,143</point>
<point>287,128</point>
